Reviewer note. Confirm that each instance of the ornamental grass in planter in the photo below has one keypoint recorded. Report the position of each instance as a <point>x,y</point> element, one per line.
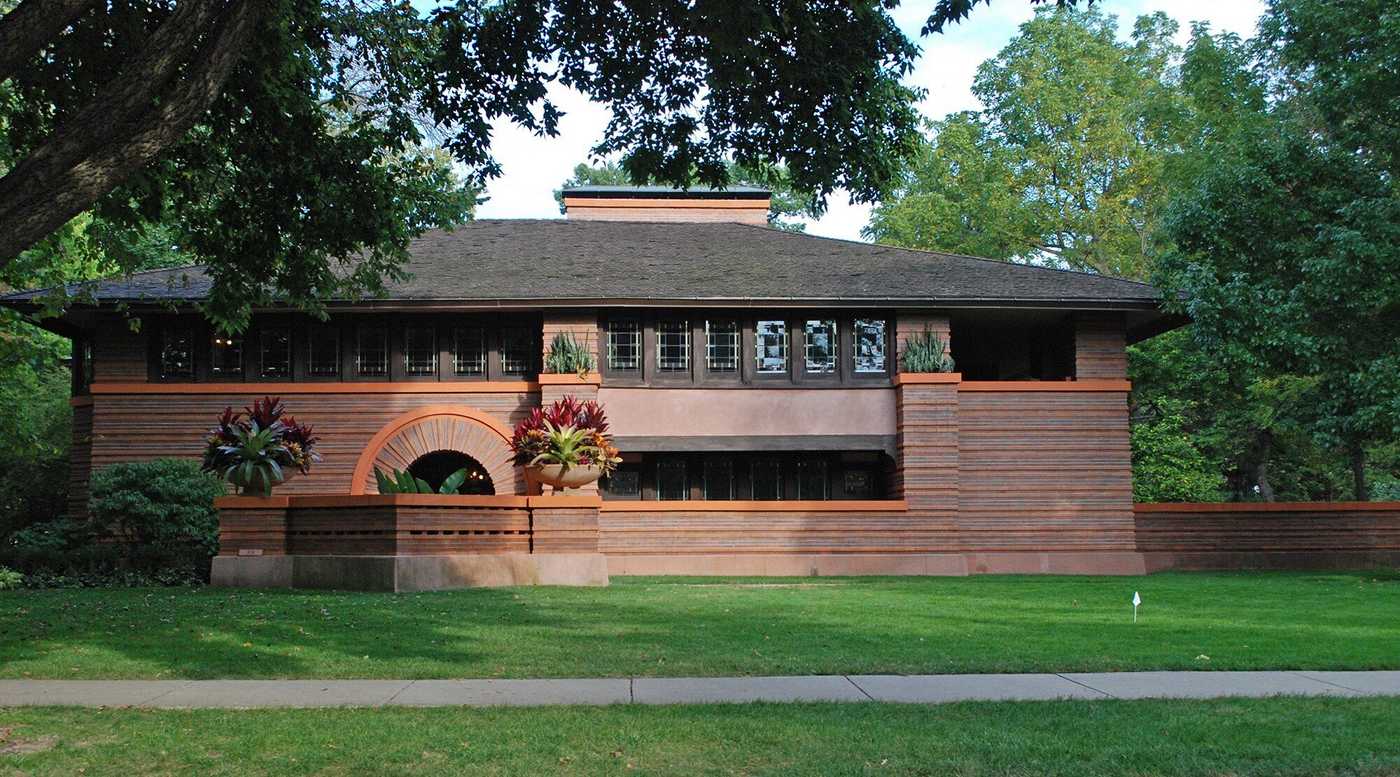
<point>263,450</point>
<point>566,445</point>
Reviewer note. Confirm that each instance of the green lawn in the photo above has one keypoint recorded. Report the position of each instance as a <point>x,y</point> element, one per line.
<point>1224,737</point>
<point>677,627</point>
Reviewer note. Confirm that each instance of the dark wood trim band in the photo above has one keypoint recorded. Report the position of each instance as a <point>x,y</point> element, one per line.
<point>764,443</point>
<point>348,387</point>
<point>744,506</point>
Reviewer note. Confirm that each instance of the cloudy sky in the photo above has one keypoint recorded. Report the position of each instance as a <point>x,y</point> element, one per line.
<point>534,167</point>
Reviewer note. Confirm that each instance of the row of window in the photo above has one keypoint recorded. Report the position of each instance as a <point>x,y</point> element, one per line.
<point>758,477</point>
<point>667,347</point>
<point>333,351</point>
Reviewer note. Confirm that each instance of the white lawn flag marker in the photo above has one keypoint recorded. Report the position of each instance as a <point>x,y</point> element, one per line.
<point>1136,601</point>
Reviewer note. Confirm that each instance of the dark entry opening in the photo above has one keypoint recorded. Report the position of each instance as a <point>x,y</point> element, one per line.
<point>433,468</point>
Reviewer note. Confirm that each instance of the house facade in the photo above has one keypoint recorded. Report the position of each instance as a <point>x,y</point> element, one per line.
<point>751,376</point>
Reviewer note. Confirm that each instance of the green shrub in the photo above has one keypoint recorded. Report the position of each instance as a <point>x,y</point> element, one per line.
<point>567,355</point>
<point>1167,466</point>
<point>926,352</point>
<point>9,579</point>
<point>161,511</point>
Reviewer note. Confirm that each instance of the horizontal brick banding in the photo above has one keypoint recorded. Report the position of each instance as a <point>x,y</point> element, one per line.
<point>1247,528</point>
<point>1043,470</point>
<point>728,532</point>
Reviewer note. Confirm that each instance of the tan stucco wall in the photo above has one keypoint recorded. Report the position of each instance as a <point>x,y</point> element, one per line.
<point>751,411</point>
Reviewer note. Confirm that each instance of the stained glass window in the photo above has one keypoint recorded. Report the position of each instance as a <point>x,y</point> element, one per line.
<point>177,353</point>
<point>671,481</point>
<point>226,356</point>
<point>372,351</point>
<point>517,351</point>
<point>767,478</point>
<point>820,348</point>
<point>624,346</point>
<point>771,347</point>
<point>419,351</point>
<point>870,345</point>
<point>673,346</point>
<point>812,482</point>
<point>721,346</point>
<point>719,478</point>
<point>469,351</point>
<point>275,352</point>
<point>323,351</point>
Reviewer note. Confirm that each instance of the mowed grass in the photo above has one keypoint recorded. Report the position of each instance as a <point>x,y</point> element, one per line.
<point>682,627</point>
<point>1221,737</point>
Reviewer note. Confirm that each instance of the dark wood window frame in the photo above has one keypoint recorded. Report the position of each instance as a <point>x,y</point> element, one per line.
<point>741,467</point>
<point>699,373</point>
<point>347,328</point>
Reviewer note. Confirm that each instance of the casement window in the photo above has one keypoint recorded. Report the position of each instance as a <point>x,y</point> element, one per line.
<point>275,353</point>
<point>177,352</point>
<point>518,351</point>
<point>82,365</point>
<point>718,476</point>
<point>624,483</point>
<point>766,475</point>
<point>226,356</point>
<point>812,481</point>
<point>870,346</point>
<point>323,351</point>
<point>819,346</point>
<point>420,352</point>
<point>770,347</point>
<point>372,350</point>
<point>722,347</point>
<point>469,351</point>
<point>673,346</point>
<point>858,483</point>
<point>672,483</point>
<point>624,345</point>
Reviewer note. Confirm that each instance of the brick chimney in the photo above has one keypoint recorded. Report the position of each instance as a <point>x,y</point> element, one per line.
<point>657,203</point>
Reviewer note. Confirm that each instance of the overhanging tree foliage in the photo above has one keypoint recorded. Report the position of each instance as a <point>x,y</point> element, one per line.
<point>277,128</point>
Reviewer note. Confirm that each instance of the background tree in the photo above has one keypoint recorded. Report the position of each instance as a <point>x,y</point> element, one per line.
<point>787,204</point>
<point>277,128</point>
<point>1064,164</point>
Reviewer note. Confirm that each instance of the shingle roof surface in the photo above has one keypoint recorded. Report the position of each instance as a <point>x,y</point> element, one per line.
<point>559,259</point>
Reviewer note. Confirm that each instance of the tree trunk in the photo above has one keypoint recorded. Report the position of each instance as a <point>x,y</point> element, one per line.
<point>1263,446</point>
<point>157,98</point>
<point>1357,454</point>
<point>25,30</point>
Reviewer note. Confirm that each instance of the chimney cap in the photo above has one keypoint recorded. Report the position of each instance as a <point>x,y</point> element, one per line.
<point>666,193</point>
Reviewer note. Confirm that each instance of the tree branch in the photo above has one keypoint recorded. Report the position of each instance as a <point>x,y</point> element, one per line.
<point>25,30</point>
<point>94,152</point>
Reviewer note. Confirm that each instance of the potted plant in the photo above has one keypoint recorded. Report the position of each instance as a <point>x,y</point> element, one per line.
<point>260,451</point>
<point>566,445</point>
<point>926,352</point>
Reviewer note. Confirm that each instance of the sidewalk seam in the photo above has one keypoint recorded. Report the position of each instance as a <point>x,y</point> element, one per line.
<point>631,690</point>
<point>1328,682</point>
<point>163,694</point>
<point>1086,685</point>
<point>390,701</point>
<point>863,692</point>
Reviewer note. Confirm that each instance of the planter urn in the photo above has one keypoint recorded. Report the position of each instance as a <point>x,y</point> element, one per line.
<point>560,477</point>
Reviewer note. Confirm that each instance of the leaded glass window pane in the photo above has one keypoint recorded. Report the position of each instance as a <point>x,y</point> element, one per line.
<point>372,351</point>
<point>469,351</point>
<point>323,351</point>
<point>812,482</point>
<point>275,352</point>
<point>623,482</point>
<point>177,353</point>
<point>721,346</point>
<point>673,346</point>
<point>767,478</point>
<point>226,356</point>
<point>771,347</point>
<point>517,351</point>
<point>719,479</point>
<point>419,351</point>
<point>870,345</point>
<point>820,348</point>
<point>624,346</point>
<point>671,481</point>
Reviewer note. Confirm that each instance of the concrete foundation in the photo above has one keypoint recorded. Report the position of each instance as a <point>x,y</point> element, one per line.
<point>410,573</point>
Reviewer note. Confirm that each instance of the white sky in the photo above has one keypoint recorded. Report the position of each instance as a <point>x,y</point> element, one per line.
<point>534,166</point>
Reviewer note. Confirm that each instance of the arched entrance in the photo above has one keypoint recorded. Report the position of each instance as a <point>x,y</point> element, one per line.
<point>427,430</point>
<point>436,467</point>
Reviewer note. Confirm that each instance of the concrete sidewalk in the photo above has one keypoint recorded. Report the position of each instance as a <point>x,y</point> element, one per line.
<point>926,689</point>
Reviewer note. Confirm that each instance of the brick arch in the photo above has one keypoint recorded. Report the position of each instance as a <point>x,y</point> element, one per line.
<point>440,428</point>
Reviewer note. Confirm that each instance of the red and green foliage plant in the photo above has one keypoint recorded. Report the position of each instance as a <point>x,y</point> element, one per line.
<point>254,452</point>
<point>569,432</point>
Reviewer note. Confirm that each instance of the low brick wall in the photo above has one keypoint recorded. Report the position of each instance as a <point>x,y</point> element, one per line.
<point>1269,535</point>
<point>406,525</point>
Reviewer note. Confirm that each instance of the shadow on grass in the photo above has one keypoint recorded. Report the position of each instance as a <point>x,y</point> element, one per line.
<point>709,627</point>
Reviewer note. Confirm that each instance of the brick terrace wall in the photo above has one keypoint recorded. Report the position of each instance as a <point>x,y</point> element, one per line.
<point>1279,535</point>
<point>1044,470</point>
<point>80,458</point>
